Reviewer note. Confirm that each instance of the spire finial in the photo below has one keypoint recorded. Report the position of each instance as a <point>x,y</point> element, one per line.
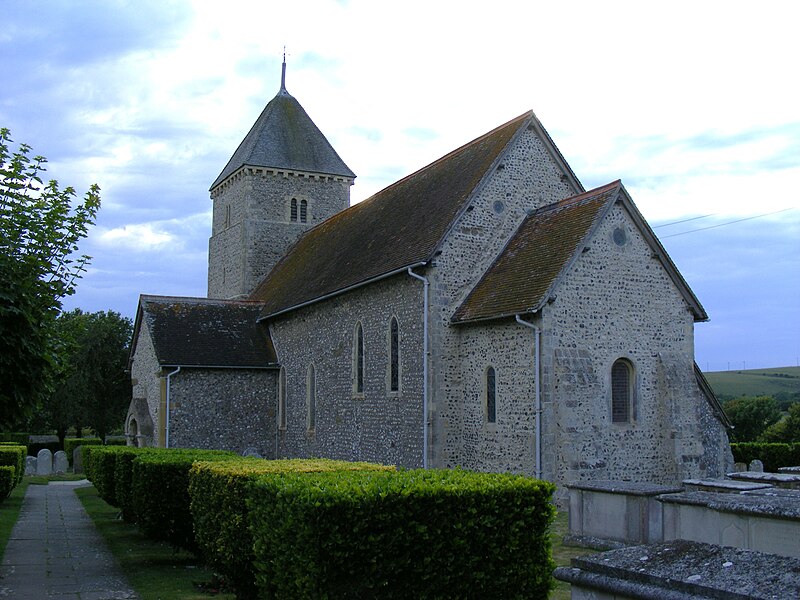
<point>283,71</point>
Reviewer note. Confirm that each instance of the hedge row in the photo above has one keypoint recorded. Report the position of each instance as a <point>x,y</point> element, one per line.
<point>772,455</point>
<point>218,491</point>
<point>16,438</point>
<point>14,456</point>
<point>8,479</point>
<point>412,534</point>
<point>71,443</point>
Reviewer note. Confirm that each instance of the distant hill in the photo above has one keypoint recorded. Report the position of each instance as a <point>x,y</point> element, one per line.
<point>755,382</point>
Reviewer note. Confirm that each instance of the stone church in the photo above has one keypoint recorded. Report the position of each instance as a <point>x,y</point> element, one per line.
<point>486,312</point>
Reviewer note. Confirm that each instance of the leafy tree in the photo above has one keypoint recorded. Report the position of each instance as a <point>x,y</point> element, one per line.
<point>751,416</point>
<point>787,429</point>
<point>40,227</point>
<point>92,387</point>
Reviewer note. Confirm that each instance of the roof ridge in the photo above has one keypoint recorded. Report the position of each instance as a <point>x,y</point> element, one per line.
<point>198,299</point>
<point>572,200</point>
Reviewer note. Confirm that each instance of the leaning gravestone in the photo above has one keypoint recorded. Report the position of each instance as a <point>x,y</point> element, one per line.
<point>44,462</point>
<point>30,465</point>
<point>251,452</point>
<point>756,466</point>
<point>77,460</point>
<point>60,462</point>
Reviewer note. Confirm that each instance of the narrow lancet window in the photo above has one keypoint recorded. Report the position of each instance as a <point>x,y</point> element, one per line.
<point>394,356</point>
<point>491,396</point>
<point>311,400</point>
<point>293,215</point>
<point>282,399</point>
<point>303,211</point>
<point>358,360</point>
<point>621,392</point>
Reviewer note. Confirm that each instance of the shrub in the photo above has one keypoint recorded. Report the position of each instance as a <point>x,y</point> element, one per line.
<point>100,464</point>
<point>35,447</point>
<point>71,443</point>
<point>8,479</point>
<point>217,491</point>
<point>413,534</point>
<point>16,438</point>
<point>116,441</point>
<point>772,455</point>
<point>160,487</point>
<point>14,456</point>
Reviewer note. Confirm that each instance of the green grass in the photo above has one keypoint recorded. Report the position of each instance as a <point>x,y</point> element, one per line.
<point>755,382</point>
<point>562,554</point>
<point>9,513</point>
<point>45,479</point>
<point>155,570</point>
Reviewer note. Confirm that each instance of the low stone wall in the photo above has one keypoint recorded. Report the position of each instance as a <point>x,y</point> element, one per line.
<point>611,514</point>
<point>680,570</point>
<point>757,521</point>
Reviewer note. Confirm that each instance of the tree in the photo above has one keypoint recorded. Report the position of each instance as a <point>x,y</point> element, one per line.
<point>40,227</point>
<point>92,387</point>
<point>787,429</point>
<point>751,416</point>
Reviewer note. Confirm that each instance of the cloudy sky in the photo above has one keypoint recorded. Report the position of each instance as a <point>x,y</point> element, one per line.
<point>694,105</point>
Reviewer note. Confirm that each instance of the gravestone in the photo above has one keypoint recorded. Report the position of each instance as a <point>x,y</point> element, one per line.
<point>77,460</point>
<point>60,462</point>
<point>44,462</point>
<point>740,467</point>
<point>30,465</point>
<point>756,466</point>
<point>251,452</point>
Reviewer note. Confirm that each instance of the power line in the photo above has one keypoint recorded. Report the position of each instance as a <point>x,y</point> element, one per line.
<point>727,223</point>
<point>683,221</point>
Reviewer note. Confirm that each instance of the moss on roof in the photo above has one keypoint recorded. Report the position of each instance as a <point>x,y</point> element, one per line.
<point>398,227</point>
<point>523,274</point>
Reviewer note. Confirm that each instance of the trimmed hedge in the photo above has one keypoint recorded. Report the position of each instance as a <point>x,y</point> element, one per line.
<point>71,443</point>
<point>17,438</point>
<point>413,534</point>
<point>772,455</point>
<point>160,488</point>
<point>100,463</point>
<point>14,456</point>
<point>217,491</point>
<point>8,479</point>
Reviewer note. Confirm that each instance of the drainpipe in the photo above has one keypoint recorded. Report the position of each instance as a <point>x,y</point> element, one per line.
<point>166,418</point>
<point>425,283</point>
<point>537,410</point>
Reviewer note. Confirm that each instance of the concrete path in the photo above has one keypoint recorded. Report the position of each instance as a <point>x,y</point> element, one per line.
<point>56,553</point>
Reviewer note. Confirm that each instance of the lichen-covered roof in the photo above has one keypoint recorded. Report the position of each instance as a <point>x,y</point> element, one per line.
<point>198,332</point>
<point>398,227</point>
<point>285,137</point>
<point>523,274</point>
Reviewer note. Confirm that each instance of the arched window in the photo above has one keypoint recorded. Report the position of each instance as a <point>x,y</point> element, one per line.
<point>303,210</point>
<point>282,399</point>
<point>621,391</point>
<point>491,396</point>
<point>358,360</point>
<point>394,356</point>
<point>311,399</point>
<point>294,209</point>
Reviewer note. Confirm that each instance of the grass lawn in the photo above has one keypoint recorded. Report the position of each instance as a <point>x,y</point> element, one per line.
<point>154,569</point>
<point>562,554</point>
<point>9,512</point>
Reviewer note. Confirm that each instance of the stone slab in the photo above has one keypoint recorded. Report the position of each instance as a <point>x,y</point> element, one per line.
<point>786,480</point>
<point>628,488</point>
<point>776,492</point>
<point>680,570</point>
<point>44,462</point>
<point>789,470</point>
<point>759,505</point>
<point>722,485</point>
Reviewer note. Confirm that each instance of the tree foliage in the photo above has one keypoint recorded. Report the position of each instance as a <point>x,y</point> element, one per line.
<point>40,227</point>
<point>787,429</point>
<point>92,387</point>
<point>751,416</point>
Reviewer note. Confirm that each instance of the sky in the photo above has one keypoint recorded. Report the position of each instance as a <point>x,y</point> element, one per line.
<point>695,106</point>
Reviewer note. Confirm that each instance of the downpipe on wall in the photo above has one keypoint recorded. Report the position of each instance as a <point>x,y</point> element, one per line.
<point>425,284</point>
<point>537,407</point>
<point>166,416</point>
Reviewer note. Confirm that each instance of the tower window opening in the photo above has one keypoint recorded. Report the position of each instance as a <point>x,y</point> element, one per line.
<point>293,215</point>
<point>303,211</point>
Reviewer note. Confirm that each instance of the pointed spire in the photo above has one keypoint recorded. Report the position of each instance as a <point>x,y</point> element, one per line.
<point>283,71</point>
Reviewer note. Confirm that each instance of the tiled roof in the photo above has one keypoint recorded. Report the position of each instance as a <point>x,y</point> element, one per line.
<point>522,276</point>
<point>285,137</point>
<point>398,227</point>
<point>198,332</point>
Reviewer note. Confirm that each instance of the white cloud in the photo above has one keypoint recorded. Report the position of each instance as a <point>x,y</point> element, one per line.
<point>145,237</point>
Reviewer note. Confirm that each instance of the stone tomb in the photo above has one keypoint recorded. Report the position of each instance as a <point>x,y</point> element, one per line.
<point>611,514</point>
<point>789,470</point>
<point>681,570</point>
<point>723,485</point>
<point>783,480</point>
<point>756,520</point>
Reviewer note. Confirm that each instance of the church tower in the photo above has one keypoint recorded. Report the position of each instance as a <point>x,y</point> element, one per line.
<point>283,179</point>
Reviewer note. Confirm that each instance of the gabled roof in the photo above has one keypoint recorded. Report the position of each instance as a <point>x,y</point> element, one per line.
<point>285,137</point>
<point>547,243</point>
<point>711,398</point>
<point>199,332</point>
<point>398,227</point>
